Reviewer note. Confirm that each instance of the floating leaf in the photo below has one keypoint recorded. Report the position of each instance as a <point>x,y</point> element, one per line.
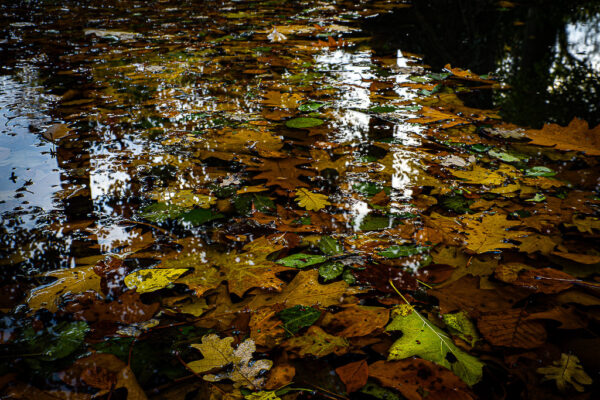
<point>577,136</point>
<point>149,280</point>
<point>330,246</point>
<point>402,251</point>
<point>331,270</point>
<point>200,216</point>
<point>311,201</point>
<point>566,371</point>
<point>421,338</point>
<point>539,171</point>
<point>218,353</point>
<point>303,123</point>
<point>354,375</point>
<point>460,325</point>
<point>301,260</point>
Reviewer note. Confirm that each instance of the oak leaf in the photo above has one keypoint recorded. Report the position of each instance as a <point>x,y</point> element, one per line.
<point>566,371</point>
<point>218,353</point>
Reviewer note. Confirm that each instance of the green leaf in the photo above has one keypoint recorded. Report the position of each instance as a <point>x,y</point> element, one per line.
<point>349,277</point>
<point>371,188</point>
<point>331,270</point>
<point>501,155</point>
<point>402,251</point>
<point>460,325</point>
<point>297,317</point>
<point>539,171</point>
<point>382,109</point>
<point>375,223</point>
<point>303,123</point>
<point>200,216</point>
<point>480,148</point>
<point>160,212</point>
<point>301,260</point>
<point>537,198</point>
<point>456,203</point>
<point>330,246</point>
<point>56,342</point>
<point>312,106</point>
<point>373,389</point>
<point>423,339</point>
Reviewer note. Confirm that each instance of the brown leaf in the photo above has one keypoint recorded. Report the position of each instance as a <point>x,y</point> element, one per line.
<point>105,372</point>
<point>465,294</point>
<point>577,136</point>
<point>512,329</point>
<point>283,173</point>
<point>356,320</point>
<point>543,280</point>
<point>127,309</point>
<point>280,376</point>
<point>354,375</point>
<point>419,379</point>
<point>265,328</point>
<point>565,315</point>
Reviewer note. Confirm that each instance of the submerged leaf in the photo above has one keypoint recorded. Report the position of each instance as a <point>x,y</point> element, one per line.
<point>149,280</point>
<point>566,371</point>
<point>311,201</point>
<point>303,123</point>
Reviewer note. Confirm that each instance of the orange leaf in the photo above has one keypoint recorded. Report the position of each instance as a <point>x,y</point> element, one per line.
<point>354,375</point>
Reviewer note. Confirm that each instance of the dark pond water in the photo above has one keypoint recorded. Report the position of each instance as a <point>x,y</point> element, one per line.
<point>375,199</point>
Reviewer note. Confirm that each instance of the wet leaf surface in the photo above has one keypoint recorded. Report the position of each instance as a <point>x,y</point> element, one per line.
<point>276,200</point>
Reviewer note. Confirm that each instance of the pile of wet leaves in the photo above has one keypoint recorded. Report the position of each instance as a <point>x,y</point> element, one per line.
<point>254,204</point>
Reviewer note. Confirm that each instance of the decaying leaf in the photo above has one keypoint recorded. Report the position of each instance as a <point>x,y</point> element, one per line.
<point>566,371</point>
<point>317,342</point>
<point>354,375</point>
<point>413,377</point>
<point>511,328</point>
<point>219,352</point>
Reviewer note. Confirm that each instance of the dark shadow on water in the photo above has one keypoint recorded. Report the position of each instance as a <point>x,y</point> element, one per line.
<point>548,51</point>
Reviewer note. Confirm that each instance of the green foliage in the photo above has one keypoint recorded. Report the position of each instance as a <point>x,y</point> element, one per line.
<point>330,246</point>
<point>331,270</point>
<point>298,317</point>
<point>301,260</point>
<point>402,251</point>
<point>303,123</point>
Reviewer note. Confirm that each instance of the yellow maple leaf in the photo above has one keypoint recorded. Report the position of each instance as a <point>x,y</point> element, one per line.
<point>73,280</point>
<point>489,232</point>
<point>152,279</point>
<point>311,201</point>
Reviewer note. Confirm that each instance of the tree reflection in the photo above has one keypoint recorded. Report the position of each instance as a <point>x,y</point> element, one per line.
<point>549,52</point>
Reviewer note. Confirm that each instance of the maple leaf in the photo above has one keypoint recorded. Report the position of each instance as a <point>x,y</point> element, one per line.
<point>242,271</point>
<point>74,280</point>
<point>218,353</point>
<point>149,280</point>
<point>311,201</point>
<point>565,371</point>
<point>577,136</point>
<point>421,338</point>
<point>431,115</point>
<point>228,144</point>
<point>306,290</point>
<point>491,233</point>
<point>282,173</point>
